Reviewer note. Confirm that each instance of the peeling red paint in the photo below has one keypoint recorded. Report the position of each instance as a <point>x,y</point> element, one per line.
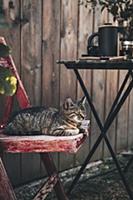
<point>16,144</point>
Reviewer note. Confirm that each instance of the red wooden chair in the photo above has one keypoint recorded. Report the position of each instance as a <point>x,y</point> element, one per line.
<point>25,144</point>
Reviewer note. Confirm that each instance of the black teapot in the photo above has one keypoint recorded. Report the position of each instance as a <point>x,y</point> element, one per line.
<point>107,41</point>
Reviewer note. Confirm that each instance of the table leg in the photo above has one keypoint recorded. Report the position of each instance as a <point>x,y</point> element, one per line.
<point>131,159</point>
<point>114,110</point>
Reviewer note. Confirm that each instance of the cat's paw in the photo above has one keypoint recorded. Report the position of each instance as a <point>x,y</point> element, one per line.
<point>84,128</point>
<point>71,132</point>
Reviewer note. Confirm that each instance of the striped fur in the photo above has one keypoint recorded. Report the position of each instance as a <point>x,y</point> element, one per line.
<point>48,121</point>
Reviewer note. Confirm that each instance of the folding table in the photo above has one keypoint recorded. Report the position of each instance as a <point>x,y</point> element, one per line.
<point>123,93</point>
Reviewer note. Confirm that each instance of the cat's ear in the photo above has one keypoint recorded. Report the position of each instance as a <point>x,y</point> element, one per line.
<point>82,101</point>
<point>68,104</point>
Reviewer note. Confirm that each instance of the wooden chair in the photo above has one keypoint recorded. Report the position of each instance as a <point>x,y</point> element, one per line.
<point>25,144</point>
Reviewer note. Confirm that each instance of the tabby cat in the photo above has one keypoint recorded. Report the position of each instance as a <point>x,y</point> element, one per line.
<point>39,120</point>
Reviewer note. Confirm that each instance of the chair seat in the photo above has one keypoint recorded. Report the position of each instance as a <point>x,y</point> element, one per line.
<point>41,143</point>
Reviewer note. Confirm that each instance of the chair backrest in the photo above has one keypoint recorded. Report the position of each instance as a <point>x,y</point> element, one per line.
<point>21,95</point>
<point>41,144</point>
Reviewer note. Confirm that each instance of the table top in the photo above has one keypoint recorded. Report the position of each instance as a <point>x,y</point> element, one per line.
<point>112,64</point>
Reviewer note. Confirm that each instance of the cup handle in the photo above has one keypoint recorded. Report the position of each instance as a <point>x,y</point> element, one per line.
<point>90,39</point>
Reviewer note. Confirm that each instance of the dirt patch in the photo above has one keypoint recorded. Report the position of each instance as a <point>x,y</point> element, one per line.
<point>100,181</point>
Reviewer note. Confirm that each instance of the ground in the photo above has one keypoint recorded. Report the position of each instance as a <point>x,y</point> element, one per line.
<point>100,181</point>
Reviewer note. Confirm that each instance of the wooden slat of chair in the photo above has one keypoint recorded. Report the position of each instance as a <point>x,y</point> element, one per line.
<point>40,144</point>
<point>46,188</point>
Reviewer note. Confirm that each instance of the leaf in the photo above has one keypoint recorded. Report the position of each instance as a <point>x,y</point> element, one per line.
<point>4,50</point>
<point>8,82</point>
<point>4,72</point>
<point>9,89</point>
<point>103,7</point>
<point>2,91</point>
<point>114,10</point>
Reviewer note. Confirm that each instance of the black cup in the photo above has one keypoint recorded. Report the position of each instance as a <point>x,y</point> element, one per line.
<point>108,40</point>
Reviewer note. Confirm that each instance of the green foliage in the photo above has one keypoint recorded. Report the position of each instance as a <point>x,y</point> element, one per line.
<point>122,10</point>
<point>8,82</point>
<point>4,50</point>
<point>1,6</point>
<point>87,2</point>
<point>118,8</point>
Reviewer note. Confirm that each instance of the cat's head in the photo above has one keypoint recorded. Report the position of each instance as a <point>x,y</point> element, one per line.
<point>74,111</point>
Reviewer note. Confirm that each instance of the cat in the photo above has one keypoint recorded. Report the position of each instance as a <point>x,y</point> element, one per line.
<point>49,121</point>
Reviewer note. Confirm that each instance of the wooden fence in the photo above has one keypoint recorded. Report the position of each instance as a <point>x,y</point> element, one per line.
<point>42,32</point>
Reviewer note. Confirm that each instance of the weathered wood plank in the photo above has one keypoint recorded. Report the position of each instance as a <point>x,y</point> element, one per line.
<point>12,34</point>
<point>31,38</point>
<point>51,51</point>
<point>130,122</point>
<point>12,164</point>
<point>6,190</point>
<point>31,48</point>
<point>98,94</point>
<point>69,23</point>
<point>85,19</point>
<point>111,91</point>
<point>69,12</point>
<point>122,121</point>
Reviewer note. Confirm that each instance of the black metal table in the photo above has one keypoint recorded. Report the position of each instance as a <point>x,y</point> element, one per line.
<point>121,96</point>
